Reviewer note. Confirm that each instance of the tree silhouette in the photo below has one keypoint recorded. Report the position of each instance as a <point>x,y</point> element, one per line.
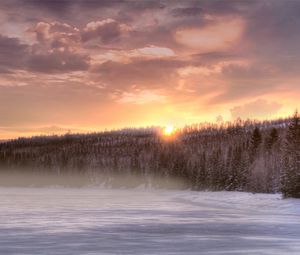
<point>291,170</point>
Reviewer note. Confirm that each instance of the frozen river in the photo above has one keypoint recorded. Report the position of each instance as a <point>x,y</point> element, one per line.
<point>99,221</point>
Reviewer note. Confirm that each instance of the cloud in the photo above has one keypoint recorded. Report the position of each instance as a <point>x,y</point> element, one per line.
<point>42,57</point>
<point>12,54</point>
<point>127,56</point>
<point>151,52</point>
<point>106,31</point>
<point>147,5</point>
<point>58,62</point>
<point>258,109</point>
<point>219,35</point>
<point>54,6</point>
<point>55,35</point>
<point>245,78</point>
<point>149,73</point>
<point>141,97</point>
<point>57,49</point>
<point>187,11</point>
<point>58,35</point>
<point>249,71</point>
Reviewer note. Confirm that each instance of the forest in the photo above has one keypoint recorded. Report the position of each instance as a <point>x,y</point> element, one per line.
<point>253,156</point>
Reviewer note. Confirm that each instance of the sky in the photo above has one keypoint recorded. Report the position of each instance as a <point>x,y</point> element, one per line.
<point>87,65</point>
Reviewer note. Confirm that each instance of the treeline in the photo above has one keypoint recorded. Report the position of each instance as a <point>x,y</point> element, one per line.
<point>242,156</point>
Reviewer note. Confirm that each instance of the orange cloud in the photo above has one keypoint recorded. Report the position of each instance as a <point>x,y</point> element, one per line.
<point>141,97</point>
<point>219,35</point>
<point>126,56</point>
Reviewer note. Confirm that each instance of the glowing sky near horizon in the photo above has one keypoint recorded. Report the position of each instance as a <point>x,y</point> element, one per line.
<point>87,65</point>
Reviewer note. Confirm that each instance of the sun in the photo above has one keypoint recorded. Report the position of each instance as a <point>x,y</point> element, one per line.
<point>169,130</point>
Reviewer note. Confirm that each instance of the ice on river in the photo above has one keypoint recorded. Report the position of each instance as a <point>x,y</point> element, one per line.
<point>107,221</point>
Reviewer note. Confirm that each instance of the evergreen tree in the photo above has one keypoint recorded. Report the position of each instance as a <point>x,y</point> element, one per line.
<point>255,141</point>
<point>272,138</point>
<point>272,159</point>
<point>291,162</point>
<point>256,138</point>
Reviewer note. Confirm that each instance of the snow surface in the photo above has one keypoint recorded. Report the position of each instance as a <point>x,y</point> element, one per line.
<point>106,221</point>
